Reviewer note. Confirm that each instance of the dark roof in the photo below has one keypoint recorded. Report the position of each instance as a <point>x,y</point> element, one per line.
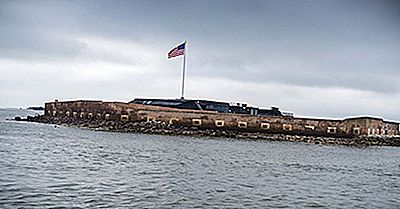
<point>363,117</point>
<point>185,104</point>
<point>222,107</point>
<point>270,112</point>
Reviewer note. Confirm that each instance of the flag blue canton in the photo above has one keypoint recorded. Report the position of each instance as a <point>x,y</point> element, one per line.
<point>182,46</point>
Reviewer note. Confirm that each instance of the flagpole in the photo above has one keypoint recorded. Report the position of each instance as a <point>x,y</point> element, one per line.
<point>183,72</point>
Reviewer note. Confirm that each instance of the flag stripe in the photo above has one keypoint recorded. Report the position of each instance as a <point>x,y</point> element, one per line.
<point>177,51</point>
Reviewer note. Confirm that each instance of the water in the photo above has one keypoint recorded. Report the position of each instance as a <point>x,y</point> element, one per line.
<point>43,167</point>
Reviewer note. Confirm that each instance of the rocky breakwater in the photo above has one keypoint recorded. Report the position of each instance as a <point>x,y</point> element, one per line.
<point>155,127</point>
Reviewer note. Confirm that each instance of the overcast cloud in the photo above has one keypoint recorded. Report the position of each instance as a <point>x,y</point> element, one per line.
<point>314,58</point>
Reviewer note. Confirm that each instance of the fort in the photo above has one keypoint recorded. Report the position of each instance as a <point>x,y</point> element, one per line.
<point>99,112</point>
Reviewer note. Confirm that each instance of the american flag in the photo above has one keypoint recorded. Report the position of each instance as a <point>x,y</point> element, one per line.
<point>177,51</point>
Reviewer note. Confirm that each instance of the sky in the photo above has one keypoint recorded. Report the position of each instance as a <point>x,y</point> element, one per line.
<point>315,58</point>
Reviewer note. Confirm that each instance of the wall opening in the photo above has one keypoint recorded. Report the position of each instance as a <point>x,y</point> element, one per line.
<point>196,122</point>
<point>242,124</point>
<point>287,127</point>
<point>356,130</point>
<point>331,130</point>
<point>309,127</point>
<point>107,116</point>
<point>265,125</point>
<point>173,121</point>
<point>150,119</point>
<point>219,123</point>
<point>124,117</point>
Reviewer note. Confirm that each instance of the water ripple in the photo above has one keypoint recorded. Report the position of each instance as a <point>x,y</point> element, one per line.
<point>44,167</point>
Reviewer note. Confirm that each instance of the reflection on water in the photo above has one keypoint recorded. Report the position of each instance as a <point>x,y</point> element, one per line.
<point>42,166</point>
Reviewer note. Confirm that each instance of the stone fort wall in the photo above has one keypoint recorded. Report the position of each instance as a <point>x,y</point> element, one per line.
<point>99,110</point>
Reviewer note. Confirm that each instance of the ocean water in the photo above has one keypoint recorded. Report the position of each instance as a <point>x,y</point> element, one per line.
<point>42,166</point>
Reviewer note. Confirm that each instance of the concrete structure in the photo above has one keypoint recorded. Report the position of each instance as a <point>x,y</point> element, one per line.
<point>98,110</point>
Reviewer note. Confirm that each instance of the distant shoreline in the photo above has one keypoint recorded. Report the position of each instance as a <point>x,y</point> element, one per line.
<point>35,108</point>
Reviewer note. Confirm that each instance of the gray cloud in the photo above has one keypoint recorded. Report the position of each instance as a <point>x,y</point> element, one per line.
<point>302,71</point>
<point>33,45</point>
<point>353,46</point>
